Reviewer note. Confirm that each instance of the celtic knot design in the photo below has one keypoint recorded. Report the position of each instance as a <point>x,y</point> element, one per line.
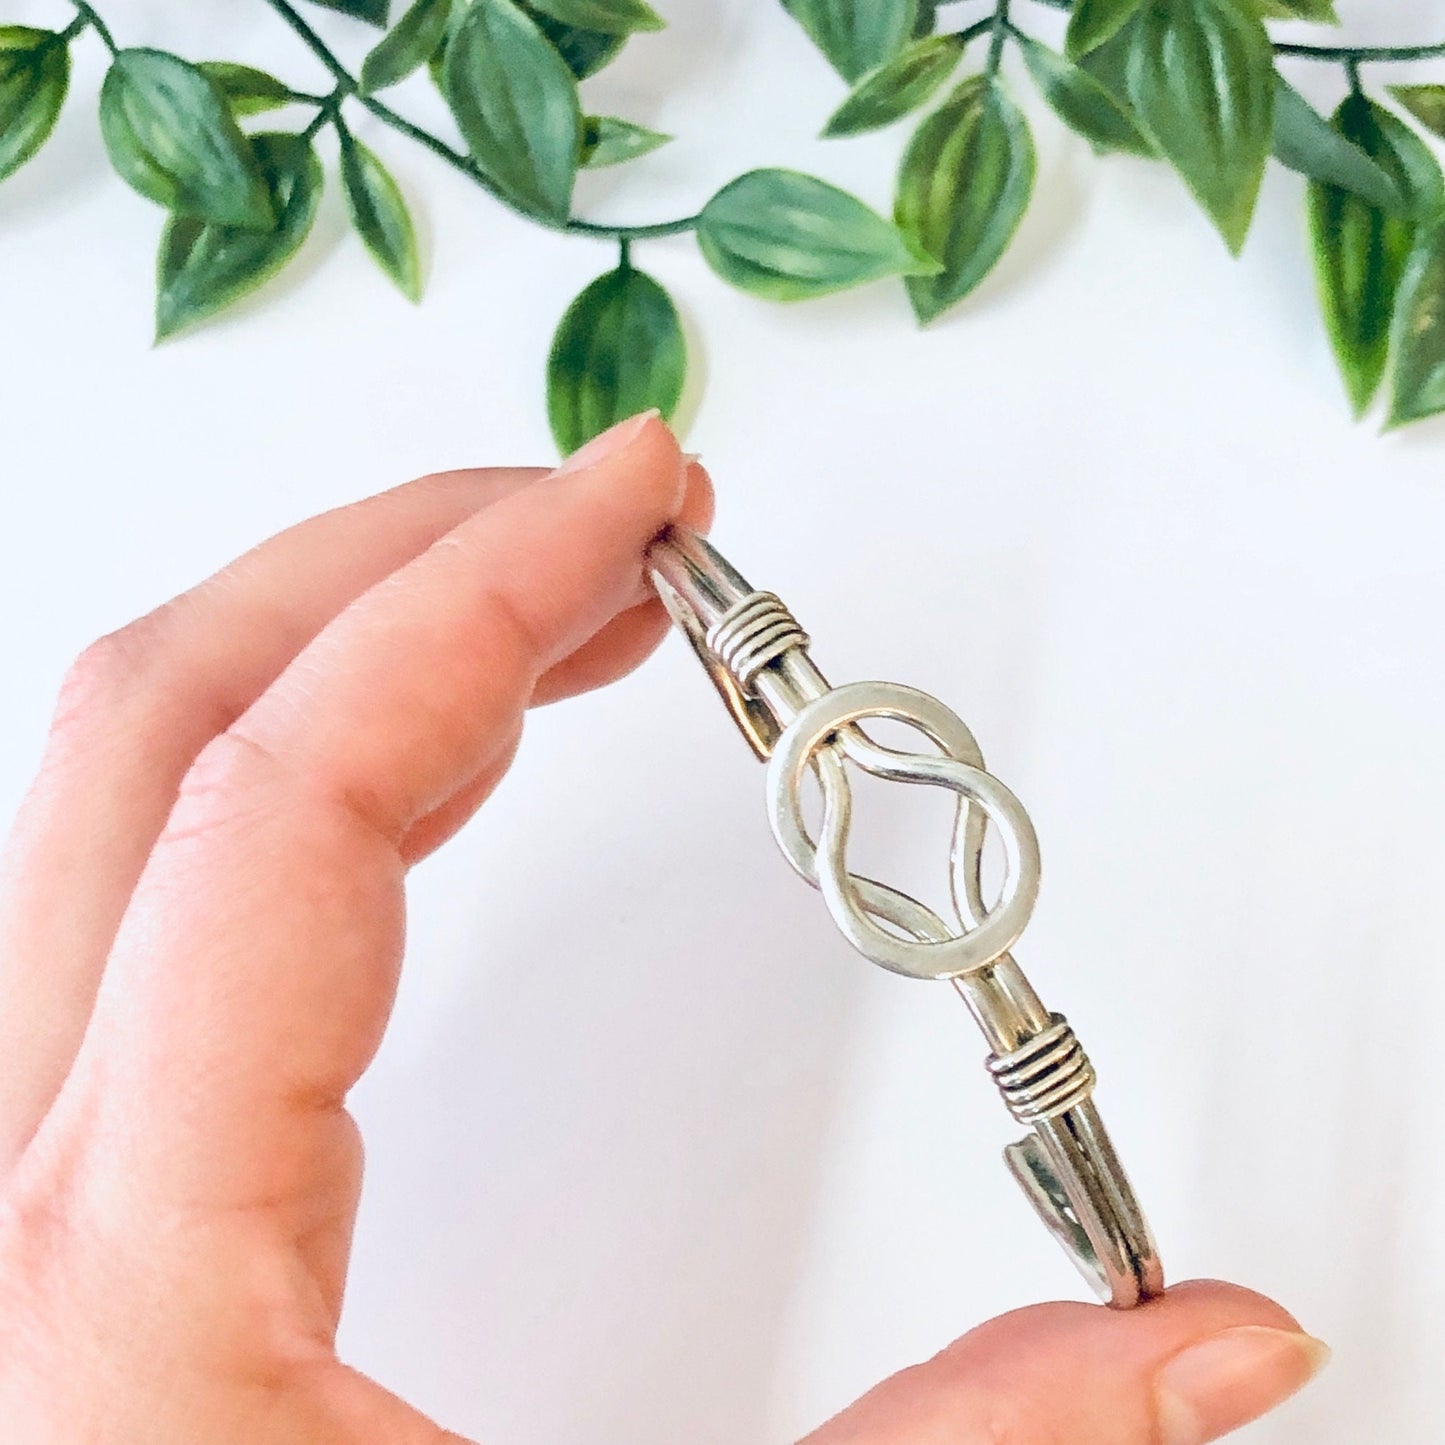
<point>825,733</point>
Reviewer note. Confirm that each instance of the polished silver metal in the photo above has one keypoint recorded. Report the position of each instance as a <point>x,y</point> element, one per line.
<point>756,654</point>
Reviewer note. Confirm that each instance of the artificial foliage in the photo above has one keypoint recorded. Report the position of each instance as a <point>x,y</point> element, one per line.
<point>1198,85</point>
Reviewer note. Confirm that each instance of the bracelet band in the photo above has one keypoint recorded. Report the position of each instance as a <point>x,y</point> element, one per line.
<point>756,654</point>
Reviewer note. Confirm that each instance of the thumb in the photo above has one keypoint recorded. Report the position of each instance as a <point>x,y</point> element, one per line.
<point>348,1405</point>
<point>1186,1368</point>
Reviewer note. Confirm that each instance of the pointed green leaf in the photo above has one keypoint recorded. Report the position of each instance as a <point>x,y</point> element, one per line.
<point>856,36</point>
<point>172,137</point>
<point>436,62</point>
<point>1418,388</point>
<point>585,51</point>
<point>1081,102</point>
<point>379,213</point>
<point>1306,142</point>
<point>203,267</point>
<point>1092,22</point>
<point>897,86</point>
<point>618,350</point>
<point>963,187</point>
<point>1360,251</point>
<point>516,103</point>
<point>1321,11</point>
<point>247,90</point>
<point>1409,162</point>
<point>34,77</point>
<point>1201,79</point>
<point>372,11</point>
<point>1425,102</point>
<point>407,46</point>
<point>790,237</point>
<point>608,17</point>
<point>1109,63</point>
<point>608,141</point>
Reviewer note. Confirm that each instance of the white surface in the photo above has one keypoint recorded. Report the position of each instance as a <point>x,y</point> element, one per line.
<point>652,1156</point>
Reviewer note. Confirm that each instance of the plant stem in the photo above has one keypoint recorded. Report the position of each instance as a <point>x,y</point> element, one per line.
<point>328,112</point>
<point>317,46</point>
<point>972,32</point>
<point>89,16</point>
<point>630,233</point>
<point>1358,54</point>
<point>436,145</point>
<point>999,30</point>
<point>347,87</point>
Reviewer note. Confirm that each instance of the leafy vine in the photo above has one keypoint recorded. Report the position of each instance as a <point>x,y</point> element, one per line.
<point>1194,83</point>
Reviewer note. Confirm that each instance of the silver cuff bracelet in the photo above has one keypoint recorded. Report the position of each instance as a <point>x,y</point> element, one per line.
<point>757,657</point>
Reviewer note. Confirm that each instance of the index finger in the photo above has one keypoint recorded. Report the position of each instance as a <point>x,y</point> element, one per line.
<point>254,972</point>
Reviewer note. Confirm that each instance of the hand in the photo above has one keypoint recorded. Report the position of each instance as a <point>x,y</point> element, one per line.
<point>199,942</point>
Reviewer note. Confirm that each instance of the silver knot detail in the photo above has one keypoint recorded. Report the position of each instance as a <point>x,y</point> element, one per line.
<point>886,925</point>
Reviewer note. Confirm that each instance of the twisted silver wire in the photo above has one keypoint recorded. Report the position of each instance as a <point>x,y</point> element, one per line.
<point>750,635</point>
<point>1046,1077</point>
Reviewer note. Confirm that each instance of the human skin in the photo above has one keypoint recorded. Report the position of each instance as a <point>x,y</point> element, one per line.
<point>201,929</point>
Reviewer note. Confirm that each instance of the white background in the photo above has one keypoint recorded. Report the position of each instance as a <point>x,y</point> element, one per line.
<point>653,1157</point>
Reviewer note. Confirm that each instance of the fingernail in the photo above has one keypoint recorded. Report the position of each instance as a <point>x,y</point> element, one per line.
<point>1231,1378</point>
<point>605,444</point>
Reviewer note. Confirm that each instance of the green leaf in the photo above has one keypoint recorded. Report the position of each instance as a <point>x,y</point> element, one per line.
<point>1322,11</point>
<point>516,103</point>
<point>1201,79</point>
<point>436,62</point>
<point>407,46</point>
<point>1361,251</point>
<point>172,137</point>
<point>248,91</point>
<point>926,21</point>
<point>1081,102</point>
<point>618,350</point>
<point>379,213</point>
<point>1425,102</point>
<point>1092,22</point>
<point>585,51</point>
<point>608,17</point>
<point>1409,162</point>
<point>790,237</point>
<point>963,186</point>
<point>1418,389</point>
<point>34,77</point>
<point>856,35</point>
<point>897,86</point>
<point>372,11</point>
<point>1109,63</point>
<point>608,141</point>
<point>203,267</point>
<point>1306,142</point>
